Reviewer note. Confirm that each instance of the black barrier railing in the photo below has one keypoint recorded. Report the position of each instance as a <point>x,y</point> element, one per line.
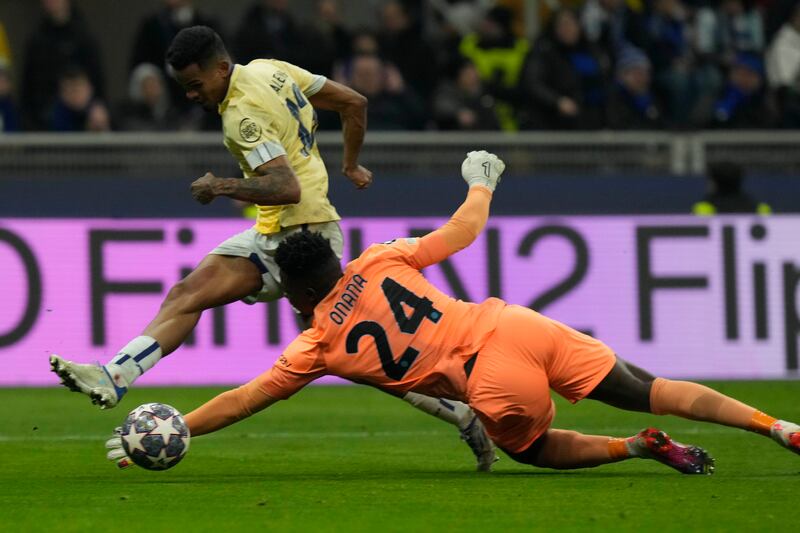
<point>412,153</point>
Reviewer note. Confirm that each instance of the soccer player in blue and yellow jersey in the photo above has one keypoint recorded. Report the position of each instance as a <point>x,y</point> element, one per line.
<point>268,118</point>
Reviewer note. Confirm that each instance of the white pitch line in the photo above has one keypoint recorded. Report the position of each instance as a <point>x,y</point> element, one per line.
<point>234,435</point>
<point>348,434</point>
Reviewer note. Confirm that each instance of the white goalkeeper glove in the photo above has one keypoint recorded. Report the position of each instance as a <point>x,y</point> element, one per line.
<point>482,168</point>
<point>115,450</point>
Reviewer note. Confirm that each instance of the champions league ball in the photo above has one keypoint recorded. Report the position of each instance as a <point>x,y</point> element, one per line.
<point>155,436</point>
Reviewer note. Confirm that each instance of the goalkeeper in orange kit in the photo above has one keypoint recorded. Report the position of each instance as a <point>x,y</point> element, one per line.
<point>382,323</point>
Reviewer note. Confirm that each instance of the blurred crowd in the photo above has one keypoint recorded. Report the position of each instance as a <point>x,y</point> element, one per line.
<point>446,65</point>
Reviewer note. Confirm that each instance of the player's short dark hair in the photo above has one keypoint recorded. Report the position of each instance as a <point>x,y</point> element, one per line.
<point>305,254</point>
<point>197,44</point>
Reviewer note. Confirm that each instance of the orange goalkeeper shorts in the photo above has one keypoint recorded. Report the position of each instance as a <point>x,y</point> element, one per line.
<point>526,356</point>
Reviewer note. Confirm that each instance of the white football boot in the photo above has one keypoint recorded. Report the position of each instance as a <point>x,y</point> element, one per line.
<point>92,380</point>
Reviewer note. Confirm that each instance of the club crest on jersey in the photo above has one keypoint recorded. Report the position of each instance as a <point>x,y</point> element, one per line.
<point>249,130</point>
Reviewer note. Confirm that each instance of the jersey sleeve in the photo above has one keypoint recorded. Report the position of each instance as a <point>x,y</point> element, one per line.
<point>300,364</point>
<point>251,133</point>
<point>309,83</point>
<point>407,250</point>
<point>458,233</point>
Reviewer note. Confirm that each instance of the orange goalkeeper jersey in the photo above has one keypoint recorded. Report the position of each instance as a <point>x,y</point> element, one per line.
<point>384,324</point>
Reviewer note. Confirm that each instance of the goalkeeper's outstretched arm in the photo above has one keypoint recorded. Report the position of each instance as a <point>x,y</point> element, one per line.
<point>221,411</point>
<point>228,408</point>
<point>482,171</point>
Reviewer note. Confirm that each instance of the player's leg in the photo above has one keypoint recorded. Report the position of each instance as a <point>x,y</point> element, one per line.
<point>518,420</point>
<point>626,386</point>
<point>226,275</point>
<point>218,280</point>
<point>460,415</point>
<point>632,388</point>
<point>510,389</point>
<point>564,450</point>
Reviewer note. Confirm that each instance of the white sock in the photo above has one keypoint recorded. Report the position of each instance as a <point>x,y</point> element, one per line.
<point>456,413</point>
<point>636,447</point>
<point>133,360</point>
<point>781,430</point>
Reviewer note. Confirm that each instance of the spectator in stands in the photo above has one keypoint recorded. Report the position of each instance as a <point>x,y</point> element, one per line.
<point>721,32</point>
<point>499,57</point>
<point>725,194</point>
<point>61,39</point>
<point>268,30</point>
<point>783,69</point>
<point>77,107</point>
<point>327,37</point>
<point>402,44</point>
<point>613,25</point>
<point>632,104</point>
<point>733,26</point>
<point>741,104</point>
<point>365,42</point>
<point>565,78</point>
<point>154,35</point>
<point>392,105</point>
<point>148,107</point>
<point>670,52</point>
<point>448,24</point>
<point>9,117</point>
<point>464,103</point>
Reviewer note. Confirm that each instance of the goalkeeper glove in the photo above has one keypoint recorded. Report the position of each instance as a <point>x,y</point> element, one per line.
<point>115,450</point>
<point>482,168</point>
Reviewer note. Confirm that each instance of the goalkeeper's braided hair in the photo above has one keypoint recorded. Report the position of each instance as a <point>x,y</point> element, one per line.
<point>303,254</point>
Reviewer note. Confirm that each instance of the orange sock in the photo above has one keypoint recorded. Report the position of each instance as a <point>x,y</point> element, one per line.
<point>698,402</point>
<point>761,423</point>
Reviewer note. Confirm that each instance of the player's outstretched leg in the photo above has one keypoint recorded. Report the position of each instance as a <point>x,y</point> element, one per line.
<point>218,280</point>
<point>562,450</point>
<point>460,415</point>
<point>629,387</point>
<point>698,402</point>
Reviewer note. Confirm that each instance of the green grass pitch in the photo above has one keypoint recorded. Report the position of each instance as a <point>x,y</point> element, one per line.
<point>353,459</point>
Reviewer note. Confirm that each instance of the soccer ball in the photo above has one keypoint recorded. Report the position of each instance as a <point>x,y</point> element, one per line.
<point>155,436</point>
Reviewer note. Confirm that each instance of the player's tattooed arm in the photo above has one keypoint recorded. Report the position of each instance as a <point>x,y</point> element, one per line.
<point>273,184</point>
<point>352,108</point>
